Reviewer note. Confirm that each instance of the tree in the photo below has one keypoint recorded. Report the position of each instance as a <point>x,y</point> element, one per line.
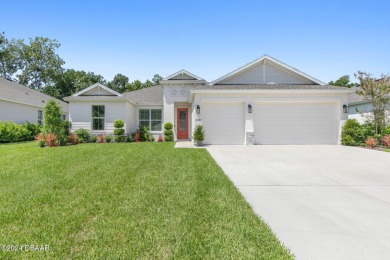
<point>119,83</point>
<point>343,81</point>
<point>52,122</point>
<point>10,60</point>
<point>71,81</point>
<point>40,63</point>
<point>156,79</point>
<point>376,91</point>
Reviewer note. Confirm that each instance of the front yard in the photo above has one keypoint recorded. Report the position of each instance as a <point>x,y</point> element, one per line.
<point>137,200</point>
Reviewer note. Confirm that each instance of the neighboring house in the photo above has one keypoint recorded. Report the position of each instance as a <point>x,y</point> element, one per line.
<point>359,108</point>
<point>262,102</point>
<point>21,104</point>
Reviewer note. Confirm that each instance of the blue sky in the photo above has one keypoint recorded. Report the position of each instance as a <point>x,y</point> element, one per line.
<point>325,39</point>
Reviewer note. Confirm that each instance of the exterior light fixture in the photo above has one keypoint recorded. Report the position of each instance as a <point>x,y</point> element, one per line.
<point>345,108</point>
<point>249,108</point>
<point>198,109</point>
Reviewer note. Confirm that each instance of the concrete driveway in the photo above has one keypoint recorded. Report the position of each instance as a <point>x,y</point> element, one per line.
<point>323,202</point>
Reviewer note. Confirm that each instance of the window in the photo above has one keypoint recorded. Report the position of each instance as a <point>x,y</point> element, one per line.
<point>98,118</point>
<point>63,117</point>
<point>40,117</point>
<point>150,118</point>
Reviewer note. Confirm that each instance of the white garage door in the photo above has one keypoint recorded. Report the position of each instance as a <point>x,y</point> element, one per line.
<point>296,123</point>
<point>223,122</point>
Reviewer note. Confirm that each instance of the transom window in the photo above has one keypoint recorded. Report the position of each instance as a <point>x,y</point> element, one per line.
<point>150,118</point>
<point>98,117</point>
<point>40,117</point>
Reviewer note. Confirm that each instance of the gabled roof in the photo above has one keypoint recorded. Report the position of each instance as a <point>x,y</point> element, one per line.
<point>268,58</point>
<point>183,75</point>
<point>99,87</point>
<point>15,92</point>
<point>146,96</point>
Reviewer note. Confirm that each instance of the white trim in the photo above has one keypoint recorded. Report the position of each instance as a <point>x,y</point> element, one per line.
<point>182,71</point>
<point>94,86</point>
<point>261,59</point>
<point>266,91</point>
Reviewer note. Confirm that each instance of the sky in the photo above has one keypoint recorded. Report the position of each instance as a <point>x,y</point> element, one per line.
<point>325,39</point>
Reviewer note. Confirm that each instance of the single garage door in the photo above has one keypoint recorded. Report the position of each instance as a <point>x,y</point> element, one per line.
<point>296,123</point>
<point>223,123</point>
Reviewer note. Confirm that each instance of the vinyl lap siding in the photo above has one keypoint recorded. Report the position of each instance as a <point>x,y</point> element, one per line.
<point>81,114</point>
<point>272,73</point>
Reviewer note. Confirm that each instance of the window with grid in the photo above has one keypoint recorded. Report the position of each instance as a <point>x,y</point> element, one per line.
<point>98,117</point>
<point>151,118</point>
<point>40,117</point>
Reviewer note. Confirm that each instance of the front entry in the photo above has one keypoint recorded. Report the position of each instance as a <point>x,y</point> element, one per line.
<point>182,123</point>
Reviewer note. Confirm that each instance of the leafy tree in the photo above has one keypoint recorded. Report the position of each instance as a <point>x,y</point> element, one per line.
<point>10,60</point>
<point>52,122</point>
<point>343,81</point>
<point>71,81</point>
<point>119,83</point>
<point>40,63</point>
<point>156,79</point>
<point>376,91</point>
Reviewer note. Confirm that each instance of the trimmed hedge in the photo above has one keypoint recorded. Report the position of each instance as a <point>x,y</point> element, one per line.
<point>12,132</point>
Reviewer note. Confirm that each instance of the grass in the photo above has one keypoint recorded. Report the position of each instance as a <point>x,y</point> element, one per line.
<point>138,200</point>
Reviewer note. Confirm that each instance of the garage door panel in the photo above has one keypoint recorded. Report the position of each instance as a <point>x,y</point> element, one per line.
<point>296,123</point>
<point>223,122</point>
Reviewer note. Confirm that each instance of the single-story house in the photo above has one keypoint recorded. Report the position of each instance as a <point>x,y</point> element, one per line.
<point>359,108</point>
<point>263,102</point>
<point>21,104</point>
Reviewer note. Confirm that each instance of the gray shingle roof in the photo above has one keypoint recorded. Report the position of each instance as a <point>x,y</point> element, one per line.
<point>268,86</point>
<point>16,92</point>
<point>147,96</point>
<point>354,98</point>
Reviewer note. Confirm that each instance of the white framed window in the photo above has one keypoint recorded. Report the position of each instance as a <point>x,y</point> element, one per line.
<point>63,117</point>
<point>40,117</point>
<point>151,118</point>
<point>98,118</point>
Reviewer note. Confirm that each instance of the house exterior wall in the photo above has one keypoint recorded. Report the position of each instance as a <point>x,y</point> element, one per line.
<point>20,113</point>
<point>355,111</point>
<point>81,115</point>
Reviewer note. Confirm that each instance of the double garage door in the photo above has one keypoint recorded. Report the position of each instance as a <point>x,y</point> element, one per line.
<point>273,122</point>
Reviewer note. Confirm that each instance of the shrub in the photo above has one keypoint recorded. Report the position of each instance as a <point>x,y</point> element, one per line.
<point>353,133</point>
<point>83,134</point>
<point>137,137</point>
<point>119,138</point>
<point>39,137</point>
<point>386,140</point>
<point>145,135</point>
<point>199,133</point>
<point>66,126</point>
<point>118,123</point>
<point>73,138</point>
<point>119,131</point>
<point>371,142</point>
<point>100,139</point>
<point>130,138</point>
<point>168,132</point>
<point>93,139</point>
<point>62,140</point>
<point>51,139</point>
<point>41,143</point>
<point>52,122</point>
<point>11,132</point>
<point>386,131</point>
<point>108,138</point>
<point>160,139</point>
<point>168,126</point>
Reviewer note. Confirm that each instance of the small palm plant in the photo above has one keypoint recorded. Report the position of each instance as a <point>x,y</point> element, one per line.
<point>198,135</point>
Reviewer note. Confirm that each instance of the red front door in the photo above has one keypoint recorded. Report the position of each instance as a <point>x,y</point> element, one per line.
<point>182,123</point>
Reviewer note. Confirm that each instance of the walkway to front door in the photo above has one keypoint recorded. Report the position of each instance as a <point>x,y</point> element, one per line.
<point>182,123</point>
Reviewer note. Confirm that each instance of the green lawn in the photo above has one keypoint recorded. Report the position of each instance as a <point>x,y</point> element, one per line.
<point>128,200</point>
